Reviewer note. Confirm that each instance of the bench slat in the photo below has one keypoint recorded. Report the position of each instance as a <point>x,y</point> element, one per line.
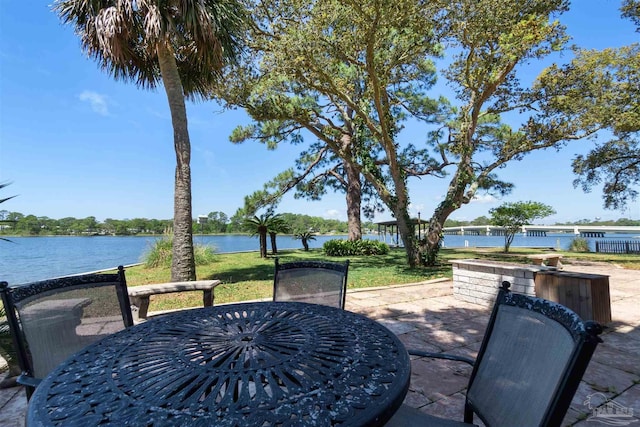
<point>139,295</point>
<point>164,288</point>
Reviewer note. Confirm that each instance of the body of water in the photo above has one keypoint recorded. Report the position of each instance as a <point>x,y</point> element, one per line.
<point>26,259</point>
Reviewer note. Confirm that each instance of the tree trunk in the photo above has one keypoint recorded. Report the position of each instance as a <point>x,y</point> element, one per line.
<point>509,234</point>
<point>457,195</point>
<point>354,202</point>
<point>305,244</point>
<point>400,208</point>
<point>430,245</point>
<point>399,205</point>
<point>183,265</point>
<point>406,231</point>
<point>274,248</point>
<point>263,243</point>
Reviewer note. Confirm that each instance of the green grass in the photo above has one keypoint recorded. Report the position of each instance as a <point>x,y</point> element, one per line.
<point>246,276</point>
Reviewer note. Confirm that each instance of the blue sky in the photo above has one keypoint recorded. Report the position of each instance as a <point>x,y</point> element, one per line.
<point>74,142</point>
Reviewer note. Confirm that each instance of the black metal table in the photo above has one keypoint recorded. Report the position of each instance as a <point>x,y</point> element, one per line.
<point>253,364</point>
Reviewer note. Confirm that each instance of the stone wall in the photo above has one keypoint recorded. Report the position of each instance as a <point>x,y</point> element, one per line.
<point>477,281</point>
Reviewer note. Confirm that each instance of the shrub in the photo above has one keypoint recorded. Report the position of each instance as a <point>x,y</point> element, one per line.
<point>7,350</point>
<point>204,254</point>
<point>337,247</point>
<point>160,254</point>
<point>579,244</point>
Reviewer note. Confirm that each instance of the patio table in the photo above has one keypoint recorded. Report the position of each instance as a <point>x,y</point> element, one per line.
<point>251,364</point>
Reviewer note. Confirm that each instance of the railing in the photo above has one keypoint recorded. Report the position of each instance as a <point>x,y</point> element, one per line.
<point>618,247</point>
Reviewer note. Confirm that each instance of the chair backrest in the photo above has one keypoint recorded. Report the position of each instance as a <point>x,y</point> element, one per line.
<point>52,319</point>
<point>316,282</point>
<point>530,364</point>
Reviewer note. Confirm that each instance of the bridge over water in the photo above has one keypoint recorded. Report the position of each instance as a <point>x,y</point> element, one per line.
<point>391,228</point>
<point>542,230</point>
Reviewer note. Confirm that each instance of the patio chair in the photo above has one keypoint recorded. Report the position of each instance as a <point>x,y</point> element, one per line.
<point>532,358</point>
<point>316,282</point>
<point>52,319</point>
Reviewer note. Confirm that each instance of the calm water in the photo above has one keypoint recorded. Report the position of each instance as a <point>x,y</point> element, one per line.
<point>25,259</point>
<point>35,258</point>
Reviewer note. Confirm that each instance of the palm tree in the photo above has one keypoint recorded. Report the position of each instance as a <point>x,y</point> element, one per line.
<point>276,225</point>
<point>305,236</point>
<point>7,351</point>
<point>182,44</point>
<point>2,200</point>
<point>264,224</point>
<point>259,225</point>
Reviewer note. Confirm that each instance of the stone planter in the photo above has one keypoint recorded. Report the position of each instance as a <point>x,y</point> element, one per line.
<point>477,281</point>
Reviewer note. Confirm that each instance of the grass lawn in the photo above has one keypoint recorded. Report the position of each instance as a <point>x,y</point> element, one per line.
<point>246,276</point>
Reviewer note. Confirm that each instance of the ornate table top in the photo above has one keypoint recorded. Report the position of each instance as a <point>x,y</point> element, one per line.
<point>254,364</point>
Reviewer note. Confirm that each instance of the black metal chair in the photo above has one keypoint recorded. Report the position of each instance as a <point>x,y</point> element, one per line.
<point>532,358</point>
<point>316,282</point>
<point>52,319</point>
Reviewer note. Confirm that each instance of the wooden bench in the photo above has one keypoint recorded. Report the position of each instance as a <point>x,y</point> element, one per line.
<point>551,260</point>
<point>139,295</point>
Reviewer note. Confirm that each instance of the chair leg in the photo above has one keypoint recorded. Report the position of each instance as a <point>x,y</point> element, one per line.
<point>468,414</point>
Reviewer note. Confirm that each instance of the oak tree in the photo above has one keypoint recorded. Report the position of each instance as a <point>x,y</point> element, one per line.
<point>346,73</point>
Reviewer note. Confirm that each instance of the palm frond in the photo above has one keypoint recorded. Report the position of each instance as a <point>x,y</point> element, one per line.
<point>6,198</point>
<point>122,36</point>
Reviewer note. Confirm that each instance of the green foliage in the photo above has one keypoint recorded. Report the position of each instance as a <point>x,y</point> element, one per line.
<point>182,45</point>
<point>490,40</point>
<point>339,247</point>
<point>430,255</point>
<point>248,277</point>
<point>305,236</point>
<point>160,254</point>
<point>631,9</point>
<point>259,226</point>
<point>579,244</point>
<point>599,90</point>
<point>204,254</point>
<point>512,216</point>
<point>350,73</point>
<point>217,222</point>
<point>4,199</point>
<point>124,40</point>
<point>3,219</point>
<point>7,350</point>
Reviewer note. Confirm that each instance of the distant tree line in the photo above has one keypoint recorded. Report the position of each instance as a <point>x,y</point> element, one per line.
<point>16,223</point>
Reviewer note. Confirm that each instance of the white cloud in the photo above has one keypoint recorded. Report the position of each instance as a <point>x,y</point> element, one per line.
<point>332,214</point>
<point>484,198</point>
<point>98,102</point>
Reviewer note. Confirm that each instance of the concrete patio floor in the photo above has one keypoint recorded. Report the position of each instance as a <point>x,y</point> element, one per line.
<point>427,316</point>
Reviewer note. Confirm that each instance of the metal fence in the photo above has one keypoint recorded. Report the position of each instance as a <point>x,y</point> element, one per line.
<point>618,246</point>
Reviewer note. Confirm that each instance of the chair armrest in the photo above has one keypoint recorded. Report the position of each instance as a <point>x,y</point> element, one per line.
<point>28,380</point>
<point>421,353</point>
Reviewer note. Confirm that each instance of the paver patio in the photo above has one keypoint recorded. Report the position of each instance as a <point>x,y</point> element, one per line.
<point>427,316</point>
